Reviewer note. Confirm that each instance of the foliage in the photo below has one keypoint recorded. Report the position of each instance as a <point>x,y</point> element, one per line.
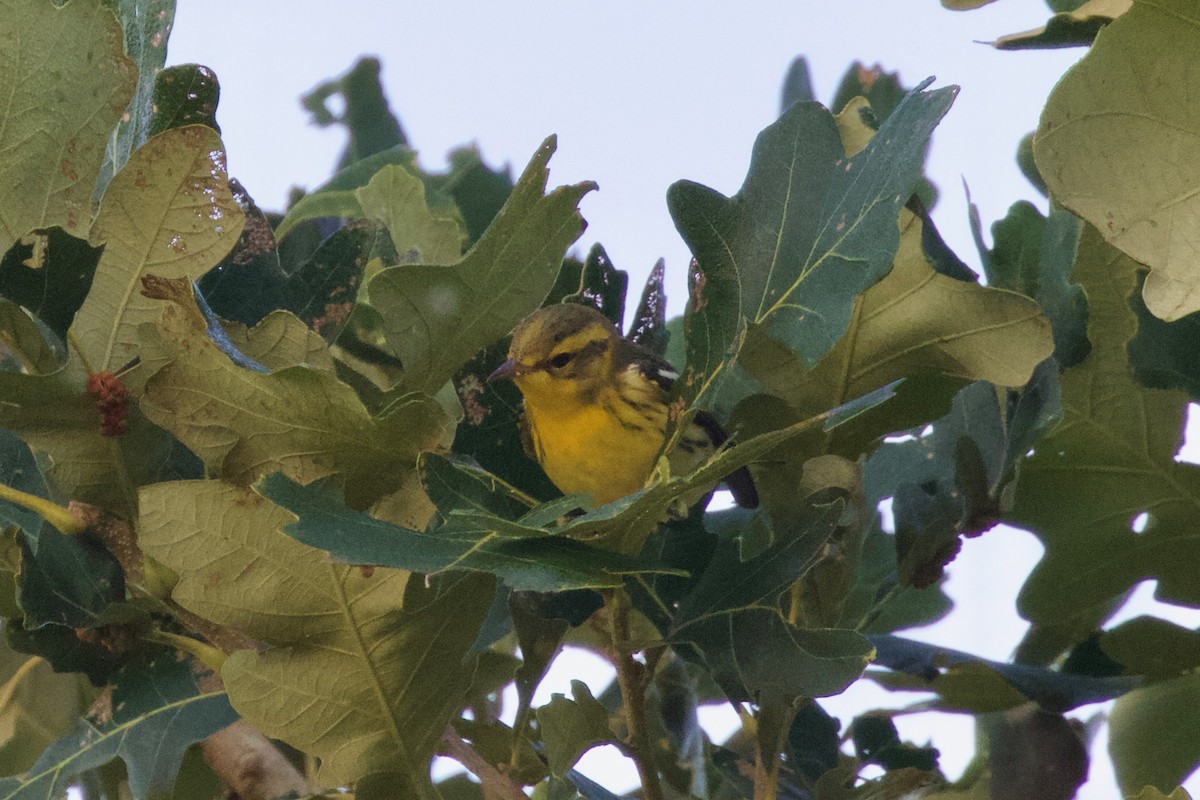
<point>294,500</point>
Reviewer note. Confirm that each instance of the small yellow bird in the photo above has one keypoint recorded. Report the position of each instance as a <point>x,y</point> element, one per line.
<point>596,406</point>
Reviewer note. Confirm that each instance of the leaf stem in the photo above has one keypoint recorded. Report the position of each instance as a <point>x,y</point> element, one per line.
<point>631,679</point>
<point>61,518</point>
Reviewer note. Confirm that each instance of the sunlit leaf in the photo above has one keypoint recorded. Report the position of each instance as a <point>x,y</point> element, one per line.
<point>299,419</point>
<point>68,84</point>
<point>1114,156</point>
<point>168,213</point>
<point>364,668</point>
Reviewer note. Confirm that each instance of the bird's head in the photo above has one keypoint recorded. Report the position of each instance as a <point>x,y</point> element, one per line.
<point>560,352</point>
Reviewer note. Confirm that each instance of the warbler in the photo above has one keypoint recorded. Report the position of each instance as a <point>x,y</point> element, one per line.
<point>596,406</point>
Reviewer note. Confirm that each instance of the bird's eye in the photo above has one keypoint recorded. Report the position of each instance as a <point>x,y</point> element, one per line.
<point>561,360</point>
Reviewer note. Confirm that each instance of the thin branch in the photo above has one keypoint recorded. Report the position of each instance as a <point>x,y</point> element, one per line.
<point>631,679</point>
<point>495,783</point>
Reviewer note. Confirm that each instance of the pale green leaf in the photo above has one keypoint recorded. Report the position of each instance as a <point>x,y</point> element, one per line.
<point>37,706</point>
<point>396,197</point>
<point>67,82</point>
<point>1115,146</point>
<point>168,213</point>
<point>299,419</point>
<point>1154,734</point>
<point>363,669</point>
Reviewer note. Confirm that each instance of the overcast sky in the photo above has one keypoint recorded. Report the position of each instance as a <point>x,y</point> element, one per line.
<point>642,94</point>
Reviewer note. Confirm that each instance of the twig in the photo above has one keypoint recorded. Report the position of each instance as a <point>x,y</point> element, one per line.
<point>630,677</point>
<point>495,783</point>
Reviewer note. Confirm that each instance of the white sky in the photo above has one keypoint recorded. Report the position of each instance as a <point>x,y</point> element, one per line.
<point>640,95</point>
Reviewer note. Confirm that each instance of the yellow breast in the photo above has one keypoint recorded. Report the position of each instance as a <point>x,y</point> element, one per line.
<point>605,448</point>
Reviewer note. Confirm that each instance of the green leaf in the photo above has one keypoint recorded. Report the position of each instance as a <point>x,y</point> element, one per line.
<point>1033,255</point>
<point>1111,156</point>
<point>1152,793</point>
<point>797,85</point>
<point>68,84</point>
<point>649,325</point>
<point>754,652</point>
<point>1152,647</point>
<point>323,290</point>
<point>396,197</point>
<point>914,321</point>
<point>480,543</point>
<point>732,618</point>
<point>1114,454</point>
<point>299,419</point>
<point>1162,354</point>
<point>19,470</point>
<point>602,285</point>
<point>809,229</point>
<point>436,317</point>
<point>168,213</point>
<point>1154,734</point>
<point>572,727</point>
<point>68,580</point>
<point>372,126</point>
<point>147,25</point>
<point>478,190</point>
<point>362,672</point>
<point>156,713</point>
<point>338,197</point>
<point>185,94</point>
<point>49,273</point>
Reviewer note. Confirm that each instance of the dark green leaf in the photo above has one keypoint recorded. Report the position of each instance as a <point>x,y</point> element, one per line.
<point>19,470</point>
<point>813,741</point>
<point>876,741</point>
<point>649,325</point>
<point>185,94</point>
<point>797,85</point>
<point>547,563</point>
<point>1034,753</point>
<point>1034,255</point>
<point>157,712</point>
<point>1152,647</point>
<point>372,126</point>
<point>1054,691</point>
<point>69,580</point>
<point>50,276</point>
<point>602,285</point>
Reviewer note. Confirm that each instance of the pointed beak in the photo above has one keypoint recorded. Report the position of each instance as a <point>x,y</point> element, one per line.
<point>505,370</point>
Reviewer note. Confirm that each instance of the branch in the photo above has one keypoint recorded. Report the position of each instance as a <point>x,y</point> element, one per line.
<point>495,783</point>
<point>630,677</point>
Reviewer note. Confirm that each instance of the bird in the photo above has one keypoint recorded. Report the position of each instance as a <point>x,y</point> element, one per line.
<point>596,407</point>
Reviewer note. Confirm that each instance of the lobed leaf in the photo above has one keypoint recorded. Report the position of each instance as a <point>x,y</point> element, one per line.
<point>300,419</point>
<point>169,213</point>
<point>156,713</point>
<point>363,669</point>
<point>1114,454</point>
<point>435,318</point>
